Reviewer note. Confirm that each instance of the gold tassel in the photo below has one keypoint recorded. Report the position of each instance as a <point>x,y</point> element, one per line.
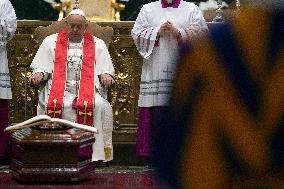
<point>108,151</point>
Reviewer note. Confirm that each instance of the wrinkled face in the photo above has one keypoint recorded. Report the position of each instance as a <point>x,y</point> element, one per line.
<point>76,25</point>
<point>169,1</point>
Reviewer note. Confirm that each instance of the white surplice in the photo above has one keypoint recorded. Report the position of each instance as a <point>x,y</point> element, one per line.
<point>160,61</point>
<point>103,117</point>
<point>8,25</point>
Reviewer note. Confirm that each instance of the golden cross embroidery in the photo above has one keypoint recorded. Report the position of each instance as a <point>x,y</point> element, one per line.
<point>85,114</point>
<point>54,110</point>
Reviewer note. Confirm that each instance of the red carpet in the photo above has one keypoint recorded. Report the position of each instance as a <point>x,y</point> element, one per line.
<point>113,177</point>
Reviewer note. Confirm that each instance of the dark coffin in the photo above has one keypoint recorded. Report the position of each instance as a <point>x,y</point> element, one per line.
<point>51,155</point>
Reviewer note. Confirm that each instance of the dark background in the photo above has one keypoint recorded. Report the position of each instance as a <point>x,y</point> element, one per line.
<point>40,10</point>
<point>133,7</point>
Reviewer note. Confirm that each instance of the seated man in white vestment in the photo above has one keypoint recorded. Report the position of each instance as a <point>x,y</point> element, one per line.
<point>78,70</point>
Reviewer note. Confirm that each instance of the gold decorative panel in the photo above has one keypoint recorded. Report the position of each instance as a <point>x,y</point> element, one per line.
<point>124,94</point>
<point>94,9</point>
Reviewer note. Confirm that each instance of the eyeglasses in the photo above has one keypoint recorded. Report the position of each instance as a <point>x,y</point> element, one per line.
<point>73,26</point>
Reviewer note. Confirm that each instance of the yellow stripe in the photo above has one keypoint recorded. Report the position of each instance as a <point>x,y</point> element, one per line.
<point>273,102</point>
<point>252,30</point>
<point>203,161</point>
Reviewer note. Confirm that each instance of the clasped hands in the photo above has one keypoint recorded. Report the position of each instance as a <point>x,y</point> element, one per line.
<point>105,79</point>
<point>168,29</point>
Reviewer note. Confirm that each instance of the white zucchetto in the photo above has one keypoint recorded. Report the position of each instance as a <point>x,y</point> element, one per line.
<point>77,12</point>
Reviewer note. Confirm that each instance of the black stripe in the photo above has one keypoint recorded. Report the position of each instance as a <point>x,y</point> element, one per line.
<point>173,131</point>
<point>5,86</point>
<point>157,81</point>
<point>234,162</point>
<point>149,40</point>
<point>277,146</point>
<point>155,93</point>
<point>234,63</point>
<point>1,31</point>
<point>4,74</point>
<point>6,28</point>
<point>276,37</point>
<point>155,87</point>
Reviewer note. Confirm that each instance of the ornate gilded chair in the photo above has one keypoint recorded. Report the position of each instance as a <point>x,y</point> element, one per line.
<point>94,9</point>
<point>104,33</point>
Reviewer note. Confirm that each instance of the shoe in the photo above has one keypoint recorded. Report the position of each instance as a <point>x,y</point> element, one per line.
<point>100,164</point>
<point>5,161</point>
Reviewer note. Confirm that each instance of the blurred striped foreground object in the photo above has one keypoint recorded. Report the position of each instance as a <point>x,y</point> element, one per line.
<point>225,124</point>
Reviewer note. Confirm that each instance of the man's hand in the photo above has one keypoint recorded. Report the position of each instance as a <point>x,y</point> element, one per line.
<point>106,80</point>
<point>168,29</point>
<point>163,29</point>
<point>173,30</point>
<point>36,78</point>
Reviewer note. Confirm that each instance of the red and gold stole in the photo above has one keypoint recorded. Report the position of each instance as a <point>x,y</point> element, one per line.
<point>86,95</point>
